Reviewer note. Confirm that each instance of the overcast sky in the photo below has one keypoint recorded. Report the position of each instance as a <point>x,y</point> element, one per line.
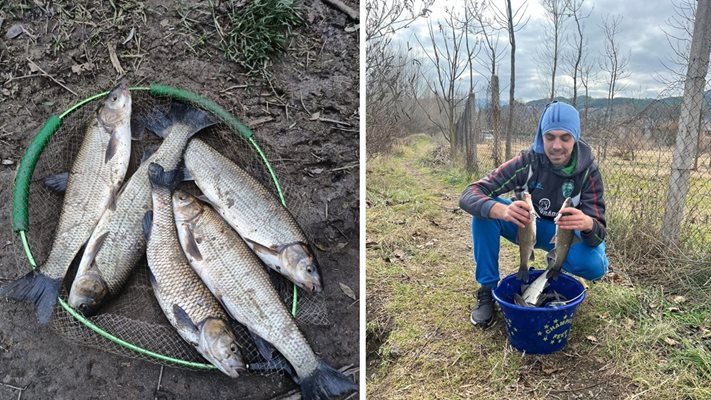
<point>640,36</point>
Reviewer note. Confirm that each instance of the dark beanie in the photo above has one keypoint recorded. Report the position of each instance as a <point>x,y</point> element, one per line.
<point>557,116</point>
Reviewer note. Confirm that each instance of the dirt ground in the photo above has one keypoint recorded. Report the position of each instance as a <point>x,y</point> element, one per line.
<point>318,73</point>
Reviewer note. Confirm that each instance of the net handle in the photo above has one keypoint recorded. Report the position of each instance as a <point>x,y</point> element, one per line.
<point>20,213</point>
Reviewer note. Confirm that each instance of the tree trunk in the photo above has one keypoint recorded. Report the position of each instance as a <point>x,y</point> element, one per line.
<point>692,105</point>
<point>496,115</point>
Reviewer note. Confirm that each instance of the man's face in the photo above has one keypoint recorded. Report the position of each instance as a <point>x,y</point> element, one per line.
<point>558,146</point>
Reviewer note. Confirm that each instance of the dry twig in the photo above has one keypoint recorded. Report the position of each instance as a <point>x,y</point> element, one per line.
<point>33,65</point>
<point>344,8</point>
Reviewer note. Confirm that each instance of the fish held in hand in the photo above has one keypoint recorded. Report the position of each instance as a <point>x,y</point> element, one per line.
<point>527,239</point>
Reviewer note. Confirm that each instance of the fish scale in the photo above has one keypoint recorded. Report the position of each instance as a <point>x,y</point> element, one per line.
<point>92,182</point>
<point>265,221</point>
<point>91,185</point>
<point>175,284</point>
<point>255,213</point>
<point>117,242</point>
<point>235,275</point>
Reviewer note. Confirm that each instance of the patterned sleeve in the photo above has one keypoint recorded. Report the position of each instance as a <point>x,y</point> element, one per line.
<point>477,198</point>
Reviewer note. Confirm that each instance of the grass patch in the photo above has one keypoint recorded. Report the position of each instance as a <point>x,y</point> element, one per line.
<point>626,340</point>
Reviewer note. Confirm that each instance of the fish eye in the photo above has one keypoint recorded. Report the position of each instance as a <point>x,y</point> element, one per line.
<point>233,348</point>
<point>309,269</point>
<point>114,98</point>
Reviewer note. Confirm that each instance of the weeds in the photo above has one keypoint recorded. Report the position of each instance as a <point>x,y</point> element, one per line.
<point>630,339</point>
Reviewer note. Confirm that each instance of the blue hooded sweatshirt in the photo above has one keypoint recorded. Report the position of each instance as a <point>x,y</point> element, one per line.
<point>532,171</point>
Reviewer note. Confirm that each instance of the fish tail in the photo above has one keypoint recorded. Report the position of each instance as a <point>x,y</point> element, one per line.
<point>326,382</point>
<point>158,122</point>
<point>37,288</point>
<point>553,273</point>
<point>162,178</point>
<point>522,274</point>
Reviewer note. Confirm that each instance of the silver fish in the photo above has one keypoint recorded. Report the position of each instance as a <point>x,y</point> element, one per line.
<point>527,240</point>
<point>533,294</point>
<point>91,187</point>
<point>562,240</point>
<point>185,300</point>
<point>255,213</point>
<point>117,241</point>
<point>236,277</point>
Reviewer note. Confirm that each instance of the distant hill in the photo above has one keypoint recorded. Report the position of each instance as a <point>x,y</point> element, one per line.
<point>619,101</point>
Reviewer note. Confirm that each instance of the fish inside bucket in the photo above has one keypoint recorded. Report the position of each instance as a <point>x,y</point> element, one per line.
<point>539,330</point>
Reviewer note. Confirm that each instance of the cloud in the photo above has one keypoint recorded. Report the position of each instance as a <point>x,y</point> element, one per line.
<point>640,37</point>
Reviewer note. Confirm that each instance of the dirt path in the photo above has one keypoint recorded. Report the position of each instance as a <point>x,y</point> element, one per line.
<point>420,292</point>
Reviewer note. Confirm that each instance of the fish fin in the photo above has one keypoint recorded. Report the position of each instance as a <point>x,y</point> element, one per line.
<point>278,364</point>
<point>550,258</point>
<point>91,252</point>
<point>162,178</point>
<point>204,199</point>
<point>148,152</point>
<point>576,239</point>
<point>184,320</point>
<point>37,288</point>
<point>113,145</point>
<point>57,182</point>
<point>278,280</point>
<point>553,273</point>
<point>518,300</point>
<point>152,280</point>
<point>325,382</point>
<point>147,224</point>
<point>191,247</point>
<point>112,199</point>
<point>532,257</point>
<point>158,122</point>
<point>256,247</point>
<point>186,175</point>
<point>553,239</point>
<point>193,117</point>
<point>265,349</point>
<point>138,130</point>
<point>522,274</point>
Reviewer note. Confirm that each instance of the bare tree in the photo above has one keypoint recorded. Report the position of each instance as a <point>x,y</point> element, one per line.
<point>449,61</point>
<point>555,11</point>
<point>513,21</point>
<point>614,62</point>
<point>692,107</point>
<point>586,75</point>
<point>678,35</point>
<point>575,8</point>
<point>386,67</point>
<point>491,31</point>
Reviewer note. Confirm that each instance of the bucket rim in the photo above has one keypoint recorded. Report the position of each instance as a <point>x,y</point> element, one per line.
<point>514,306</point>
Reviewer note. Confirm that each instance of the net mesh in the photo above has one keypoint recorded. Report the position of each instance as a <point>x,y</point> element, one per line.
<point>135,316</point>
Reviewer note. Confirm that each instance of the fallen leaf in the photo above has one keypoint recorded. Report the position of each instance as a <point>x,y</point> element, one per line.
<point>591,338</point>
<point>79,68</point>
<point>670,341</point>
<point>14,31</point>
<point>317,170</point>
<point>341,245</point>
<point>551,370</point>
<point>678,299</point>
<point>673,309</point>
<point>352,28</point>
<point>315,116</point>
<point>130,36</point>
<point>347,290</point>
<point>399,253</point>
<point>372,245</point>
<point>7,162</point>
<point>628,323</point>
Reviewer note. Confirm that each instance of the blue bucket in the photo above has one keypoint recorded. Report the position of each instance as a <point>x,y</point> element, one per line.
<point>539,330</point>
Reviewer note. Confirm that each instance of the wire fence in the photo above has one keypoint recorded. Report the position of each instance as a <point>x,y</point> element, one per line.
<point>634,144</point>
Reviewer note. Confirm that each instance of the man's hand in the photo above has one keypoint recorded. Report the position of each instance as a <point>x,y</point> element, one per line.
<point>574,219</point>
<point>517,212</point>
